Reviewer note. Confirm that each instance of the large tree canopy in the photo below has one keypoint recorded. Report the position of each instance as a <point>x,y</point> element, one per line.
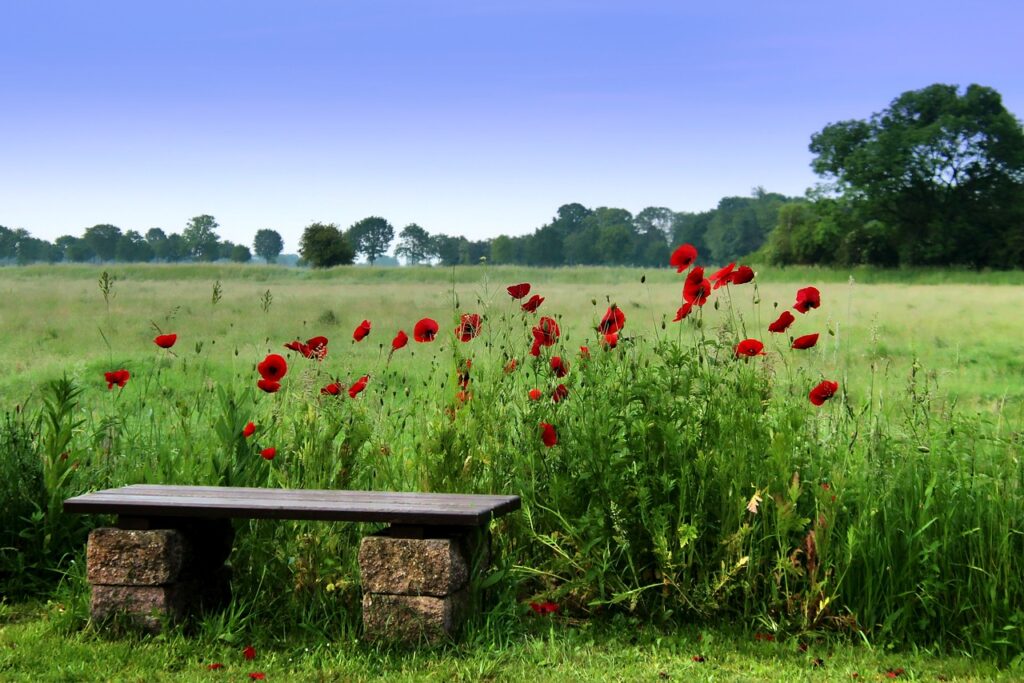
<point>323,246</point>
<point>943,170</point>
<point>371,237</point>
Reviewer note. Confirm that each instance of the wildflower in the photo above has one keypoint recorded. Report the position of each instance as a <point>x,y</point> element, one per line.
<point>806,341</point>
<point>165,341</point>
<point>560,393</point>
<point>611,340</point>
<point>584,352</point>
<point>782,323</point>
<point>696,289</point>
<point>118,377</point>
<point>613,321</point>
<point>806,299</point>
<point>895,673</point>
<point>535,394</point>
<point>462,377</point>
<point>682,257</point>
<point>266,454</point>
<point>248,430</point>
<point>269,385</point>
<point>533,304</point>
<point>400,340</point>
<point>548,434</point>
<point>698,658</point>
<point>519,291</point>
<point>425,330</point>
<point>361,332</point>
<point>742,276</point>
<point>823,392</point>
<point>358,387</point>
<point>543,608</point>
<point>249,652</point>
<point>722,276</point>
<point>559,366</point>
<point>312,348</point>
<point>546,333</point>
<point>257,675</point>
<point>215,666</point>
<point>469,327</point>
<point>463,396</point>
<point>749,348</point>
<point>683,311</point>
<point>273,367</point>
<point>332,389</point>
<point>510,366</point>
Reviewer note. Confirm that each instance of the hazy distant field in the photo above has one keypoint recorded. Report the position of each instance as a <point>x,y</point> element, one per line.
<point>962,329</point>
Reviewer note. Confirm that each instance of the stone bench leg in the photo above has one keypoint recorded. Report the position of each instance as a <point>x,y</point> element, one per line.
<point>416,588</point>
<point>158,571</point>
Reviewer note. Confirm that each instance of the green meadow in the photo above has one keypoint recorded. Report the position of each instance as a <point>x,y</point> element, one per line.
<point>690,493</point>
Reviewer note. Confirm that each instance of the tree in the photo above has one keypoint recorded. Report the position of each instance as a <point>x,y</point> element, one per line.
<point>944,170</point>
<point>176,249</point>
<point>268,245</point>
<point>157,240</point>
<point>201,238</point>
<point>371,237</point>
<point>240,254</point>
<point>414,245</point>
<point>323,245</point>
<point>103,239</point>
<point>8,244</point>
<point>133,248</point>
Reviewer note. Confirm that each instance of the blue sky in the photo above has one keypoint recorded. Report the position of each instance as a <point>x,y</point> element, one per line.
<point>474,118</point>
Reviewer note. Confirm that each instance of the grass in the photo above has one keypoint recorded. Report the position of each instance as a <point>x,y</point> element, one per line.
<point>687,486</point>
<point>548,649</point>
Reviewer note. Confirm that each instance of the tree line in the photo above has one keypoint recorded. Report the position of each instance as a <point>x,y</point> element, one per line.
<point>937,178</point>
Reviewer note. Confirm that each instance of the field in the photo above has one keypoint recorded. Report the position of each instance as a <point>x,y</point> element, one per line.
<point>688,487</point>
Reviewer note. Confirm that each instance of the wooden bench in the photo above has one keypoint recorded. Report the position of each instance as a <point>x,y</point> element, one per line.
<point>165,558</point>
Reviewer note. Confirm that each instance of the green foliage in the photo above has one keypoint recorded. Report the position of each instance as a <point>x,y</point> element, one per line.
<point>200,238</point>
<point>324,246</point>
<point>943,171</point>
<point>371,237</point>
<point>414,245</point>
<point>268,245</point>
<point>102,240</point>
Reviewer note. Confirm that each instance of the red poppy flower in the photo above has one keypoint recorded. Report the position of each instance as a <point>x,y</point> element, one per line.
<point>683,311</point>
<point>215,666</point>
<point>535,349</point>
<point>469,327</point>
<point>510,366</point>
<point>533,304</point>
<point>722,276</point>
<point>358,387</point>
<point>613,321</point>
<point>249,652</point>
<point>546,333</point>
<point>361,332</point>
<point>559,366</point>
<point>782,323</point>
<point>257,675</point>
<point>806,341</point>
<point>543,608</point>
<point>611,340</point>
<point>462,377</point>
<point>749,348</point>
<point>266,454</point>
<point>823,392</point>
<point>696,289</point>
<point>463,396</point>
<point>273,367</point>
<point>548,434</point>
<point>584,352</point>
<point>248,430</point>
<point>316,348</point>
<point>165,341</point>
<point>560,393</point>
<point>742,276</point>
<point>118,377</point>
<point>332,389</point>
<point>698,658</point>
<point>895,673</point>
<point>806,299</point>
<point>400,340</point>
<point>269,385</point>
<point>535,394</point>
<point>425,330</point>
<point>682,257</point>
<point>519,291</point>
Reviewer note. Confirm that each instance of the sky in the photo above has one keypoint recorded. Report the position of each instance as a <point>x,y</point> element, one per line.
<point>472,117</point>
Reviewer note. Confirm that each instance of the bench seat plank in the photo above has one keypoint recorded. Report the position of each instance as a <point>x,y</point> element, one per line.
<point>143,500</point>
